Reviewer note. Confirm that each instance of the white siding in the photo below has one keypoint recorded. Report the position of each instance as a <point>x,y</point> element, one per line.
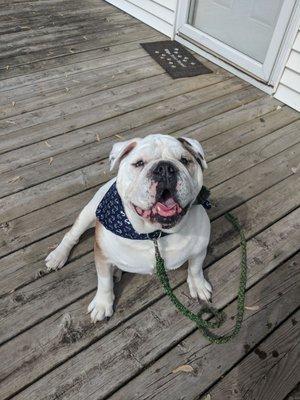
<point>288,90</point>
<point>160,14</point>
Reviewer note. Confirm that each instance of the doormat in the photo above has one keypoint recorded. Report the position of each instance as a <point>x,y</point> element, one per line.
<point>175,59</point>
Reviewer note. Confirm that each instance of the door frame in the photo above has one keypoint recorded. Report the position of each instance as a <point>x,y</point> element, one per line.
<point>278,65</point>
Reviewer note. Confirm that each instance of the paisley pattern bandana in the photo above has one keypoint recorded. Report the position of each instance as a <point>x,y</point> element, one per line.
<point>110,212</point>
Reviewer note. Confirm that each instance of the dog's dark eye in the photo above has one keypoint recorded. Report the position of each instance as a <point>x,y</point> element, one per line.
<point>184,161</point>
<point>139,163</point>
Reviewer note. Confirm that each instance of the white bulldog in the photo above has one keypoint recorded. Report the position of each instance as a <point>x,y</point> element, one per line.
<point>158,180</point>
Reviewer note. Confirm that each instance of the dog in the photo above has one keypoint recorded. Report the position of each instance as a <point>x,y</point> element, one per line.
<point>159,178</point>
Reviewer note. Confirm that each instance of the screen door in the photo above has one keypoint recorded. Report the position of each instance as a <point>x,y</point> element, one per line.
<point>247,33</point>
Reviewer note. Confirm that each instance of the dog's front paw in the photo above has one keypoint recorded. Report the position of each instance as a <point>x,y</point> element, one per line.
<point>57,258</point>
<point>199,287</point>
<point>101,307</point>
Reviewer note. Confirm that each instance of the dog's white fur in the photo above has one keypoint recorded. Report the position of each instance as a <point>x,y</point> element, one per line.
<point>189,238</point>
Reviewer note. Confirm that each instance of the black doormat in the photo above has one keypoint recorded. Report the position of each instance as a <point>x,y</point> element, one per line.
<point>175,59</point>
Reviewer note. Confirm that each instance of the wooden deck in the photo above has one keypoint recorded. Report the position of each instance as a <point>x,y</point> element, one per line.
<point>74,80</point>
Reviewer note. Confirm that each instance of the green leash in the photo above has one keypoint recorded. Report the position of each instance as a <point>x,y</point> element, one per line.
<point>203,325</point>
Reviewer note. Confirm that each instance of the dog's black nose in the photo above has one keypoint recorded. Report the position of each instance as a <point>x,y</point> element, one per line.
<point>165,170</point>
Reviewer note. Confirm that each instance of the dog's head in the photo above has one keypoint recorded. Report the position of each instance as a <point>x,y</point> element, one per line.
<point>158,180</point>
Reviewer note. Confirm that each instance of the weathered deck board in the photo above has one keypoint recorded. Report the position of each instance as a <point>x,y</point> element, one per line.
<point>239,136</point>
<point>30,299</point>
<point>74,58</point>
<point>73,70</point>
<point>127,115</point>
<point>295,394</point>
<point>21,231</point>
<point>93,152</point>
<point>78,50</point>
<point>38,101</point>
<point>33,360</point>
<point>211,361</point>
<point>25,265</point>
<point>91,175</point>
<point>54,145</point>
<point>135,344</point>
<point>69,37</point>
<point>116,106</point>
<point>261,374</point>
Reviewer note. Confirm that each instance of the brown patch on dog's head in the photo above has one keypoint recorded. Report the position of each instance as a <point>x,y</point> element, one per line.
<point>194,148</point>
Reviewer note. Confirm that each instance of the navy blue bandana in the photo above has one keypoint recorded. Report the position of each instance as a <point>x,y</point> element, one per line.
<point>110,212</point>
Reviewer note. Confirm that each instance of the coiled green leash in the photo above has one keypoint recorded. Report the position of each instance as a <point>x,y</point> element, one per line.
<point>203,325</point>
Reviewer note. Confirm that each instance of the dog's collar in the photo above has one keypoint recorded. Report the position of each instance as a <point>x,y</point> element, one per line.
<point>110,212</point>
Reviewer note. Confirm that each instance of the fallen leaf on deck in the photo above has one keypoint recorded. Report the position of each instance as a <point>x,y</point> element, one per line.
<point>50,160</point>
<point>252,308</point>
<point>119,136</point>
<point>47,144</point>
<point>15,179</point>
<point>53,246</point>
<point>183,368</point>
<point>67,89</point>
<point>7,67</point>
<point>97,137</point>
<point>13,103</point>
<point>84,37</point>
<point>294,170</point>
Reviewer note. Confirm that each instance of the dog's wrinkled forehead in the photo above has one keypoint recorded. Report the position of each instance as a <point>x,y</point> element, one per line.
<point>159,147</point>
<point>155,147</point>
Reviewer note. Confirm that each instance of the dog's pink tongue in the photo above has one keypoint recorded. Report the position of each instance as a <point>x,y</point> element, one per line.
<point>168,208</point>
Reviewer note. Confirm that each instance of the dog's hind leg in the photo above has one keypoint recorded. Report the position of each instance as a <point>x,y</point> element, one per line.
<point>85,220</point>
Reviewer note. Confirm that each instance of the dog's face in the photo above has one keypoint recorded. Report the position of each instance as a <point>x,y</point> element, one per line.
<point>159,178</point>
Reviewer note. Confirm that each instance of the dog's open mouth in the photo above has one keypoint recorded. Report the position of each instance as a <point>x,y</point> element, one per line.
<point>166,210</point>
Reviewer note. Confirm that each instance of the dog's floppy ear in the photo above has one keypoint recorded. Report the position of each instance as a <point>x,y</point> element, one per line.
<point>120,150</point>
<point>195,148</point>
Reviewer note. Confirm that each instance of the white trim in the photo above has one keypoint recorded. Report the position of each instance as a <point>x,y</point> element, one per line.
<point>266,71</point>
<point>291,79</point>
<point>144,16</point>
<point>228,67</point>
<point>288,96</point>
<point>175,20</point>
<point>155,9</point>
<point>170,4</point>
<point>286,46</point>
<point>294,61</point>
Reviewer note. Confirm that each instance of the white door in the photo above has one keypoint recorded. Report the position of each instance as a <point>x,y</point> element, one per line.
<point>246,33</point>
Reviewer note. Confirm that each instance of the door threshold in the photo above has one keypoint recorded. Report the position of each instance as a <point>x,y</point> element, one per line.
<point>228,67</point>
